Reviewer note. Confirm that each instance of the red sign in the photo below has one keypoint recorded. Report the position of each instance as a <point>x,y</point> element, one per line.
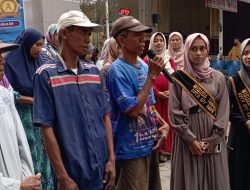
<point>124,11</point>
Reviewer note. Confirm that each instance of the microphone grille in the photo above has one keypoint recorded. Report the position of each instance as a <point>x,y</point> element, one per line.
<point>151,54</point>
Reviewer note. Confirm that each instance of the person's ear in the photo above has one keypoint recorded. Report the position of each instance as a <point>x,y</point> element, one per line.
<point>121,40</point>
<point>64,34</point>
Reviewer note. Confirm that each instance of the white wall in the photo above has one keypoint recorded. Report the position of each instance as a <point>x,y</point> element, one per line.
<point>41,13</point>
<point>33,14</point>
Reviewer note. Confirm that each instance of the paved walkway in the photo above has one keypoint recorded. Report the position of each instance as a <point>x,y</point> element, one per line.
<point>165,175</point>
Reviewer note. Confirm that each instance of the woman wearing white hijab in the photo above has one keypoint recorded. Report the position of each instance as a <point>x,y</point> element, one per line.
<point>161,88</point>
<point>239,136</point>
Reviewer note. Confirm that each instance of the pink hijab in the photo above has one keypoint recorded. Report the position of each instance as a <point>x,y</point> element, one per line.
<point>201,72</point>
<point>176,55</point>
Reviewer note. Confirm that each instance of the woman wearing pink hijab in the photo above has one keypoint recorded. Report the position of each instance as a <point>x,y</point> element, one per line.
<point>199,115</point>
<point>175,48</point>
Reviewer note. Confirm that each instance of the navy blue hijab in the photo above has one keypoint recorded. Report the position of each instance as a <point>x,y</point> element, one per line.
<point>20,67</point>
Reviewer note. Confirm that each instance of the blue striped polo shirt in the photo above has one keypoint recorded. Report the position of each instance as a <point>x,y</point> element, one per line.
<point>74,105</point>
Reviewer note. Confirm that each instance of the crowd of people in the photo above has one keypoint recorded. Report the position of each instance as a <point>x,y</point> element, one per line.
<point>71,121</point>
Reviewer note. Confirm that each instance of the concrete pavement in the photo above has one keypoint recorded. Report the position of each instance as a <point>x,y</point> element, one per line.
<point>165,169</point>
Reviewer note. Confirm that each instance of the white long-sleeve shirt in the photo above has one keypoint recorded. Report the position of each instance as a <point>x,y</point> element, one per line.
<point>15,157</point>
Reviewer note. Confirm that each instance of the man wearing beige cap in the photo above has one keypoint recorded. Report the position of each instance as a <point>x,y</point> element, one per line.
<point>73,111</point>
<point>135,120</point>
<point>16,167</point>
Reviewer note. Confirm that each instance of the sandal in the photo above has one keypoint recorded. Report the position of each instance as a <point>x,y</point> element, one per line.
<point>163,158</point>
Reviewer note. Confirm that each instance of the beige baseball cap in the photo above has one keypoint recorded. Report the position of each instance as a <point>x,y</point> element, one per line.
<point>77,18</point>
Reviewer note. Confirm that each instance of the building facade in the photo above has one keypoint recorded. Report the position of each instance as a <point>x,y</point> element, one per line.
<point>42,13</point>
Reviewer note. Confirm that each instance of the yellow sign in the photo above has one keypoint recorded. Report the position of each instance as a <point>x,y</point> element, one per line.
<point>8,8</point>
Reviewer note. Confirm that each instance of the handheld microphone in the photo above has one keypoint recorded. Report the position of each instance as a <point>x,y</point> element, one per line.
<point>151,54</point>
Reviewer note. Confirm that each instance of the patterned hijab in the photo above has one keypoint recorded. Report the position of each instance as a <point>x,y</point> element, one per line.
<point>163,52</point>
<point>49,35</point>
<point>244,71</point>
<point>176,55</point>
<point>20,66</point>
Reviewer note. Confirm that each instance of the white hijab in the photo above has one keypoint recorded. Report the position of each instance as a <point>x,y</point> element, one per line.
<point>244,70</point>
<point>163,52</point>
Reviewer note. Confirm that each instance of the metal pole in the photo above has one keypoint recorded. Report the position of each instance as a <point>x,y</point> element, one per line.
<point>107,17</point>
<point>221,32</point>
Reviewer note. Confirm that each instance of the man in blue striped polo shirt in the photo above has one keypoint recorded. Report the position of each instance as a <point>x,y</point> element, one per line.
<point>72,110</point>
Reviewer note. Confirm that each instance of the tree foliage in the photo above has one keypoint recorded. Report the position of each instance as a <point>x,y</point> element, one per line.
<point>95,10</point>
